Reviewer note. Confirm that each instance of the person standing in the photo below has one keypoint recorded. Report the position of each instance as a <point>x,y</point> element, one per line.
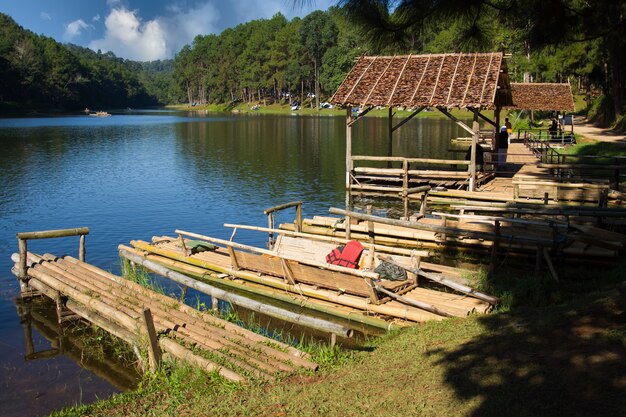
<point>503,146</point>
<point>509,127</point>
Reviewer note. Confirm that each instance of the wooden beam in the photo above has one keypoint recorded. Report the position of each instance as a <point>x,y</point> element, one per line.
<point>485,118</point>
<point>406,119</point>
<point>353,120</point>
<point>457,121</point>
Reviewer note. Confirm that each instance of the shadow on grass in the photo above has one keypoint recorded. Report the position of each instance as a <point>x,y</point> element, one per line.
<point>558,361</point>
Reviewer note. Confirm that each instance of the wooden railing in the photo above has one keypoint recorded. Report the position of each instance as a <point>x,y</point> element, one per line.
<point>560,137</point>
<point>611,167</point>
<point>270,212</point>
<point>24,237</point>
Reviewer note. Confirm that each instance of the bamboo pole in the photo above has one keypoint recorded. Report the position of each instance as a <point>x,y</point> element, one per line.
<point>187,356</point>
<point>367,245</point>
<point>438,229</point>
<point>424,306</point>
<point>45,234</point>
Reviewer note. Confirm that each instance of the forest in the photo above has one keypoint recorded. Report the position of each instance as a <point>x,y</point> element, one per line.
<point>281,60</point>
<point>39,74</point>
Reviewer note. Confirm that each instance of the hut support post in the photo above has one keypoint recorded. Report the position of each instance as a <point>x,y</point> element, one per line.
<point>349,167</point>
<point>496,116</point>
<point>348,157</point>
<point>390,135</point>
<point>472,166</point>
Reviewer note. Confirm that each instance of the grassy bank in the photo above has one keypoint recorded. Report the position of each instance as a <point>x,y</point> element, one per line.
<point>553,350</point>
<point>246,108</point>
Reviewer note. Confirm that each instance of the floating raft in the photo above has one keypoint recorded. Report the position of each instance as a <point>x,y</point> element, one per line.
<point>118,306</point>
<point>480,232</point>
<point>250,273</point>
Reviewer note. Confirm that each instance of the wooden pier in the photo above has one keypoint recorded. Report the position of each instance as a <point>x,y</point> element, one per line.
<point>151,321</point>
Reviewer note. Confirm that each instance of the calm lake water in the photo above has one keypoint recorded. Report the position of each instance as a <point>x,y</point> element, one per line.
<point>139,174</point>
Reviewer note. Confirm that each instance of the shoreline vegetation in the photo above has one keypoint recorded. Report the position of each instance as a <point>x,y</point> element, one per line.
<point>548,350</point>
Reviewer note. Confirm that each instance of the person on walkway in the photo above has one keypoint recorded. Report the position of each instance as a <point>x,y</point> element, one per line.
<point>509,127</point>
<point>553,128</point>
<point>503,146</point>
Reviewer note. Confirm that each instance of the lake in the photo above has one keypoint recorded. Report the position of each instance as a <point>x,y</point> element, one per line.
<point>143,173</point>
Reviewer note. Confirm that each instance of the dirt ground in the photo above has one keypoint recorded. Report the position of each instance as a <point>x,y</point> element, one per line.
<point>592,132</point>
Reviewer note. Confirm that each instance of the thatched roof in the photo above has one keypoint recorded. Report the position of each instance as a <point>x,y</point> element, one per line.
<point>476,81</point>
<point>542,96</point>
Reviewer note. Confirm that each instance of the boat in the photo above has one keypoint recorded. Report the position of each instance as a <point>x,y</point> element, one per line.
<point>296,269</point>
<point>100,114</point>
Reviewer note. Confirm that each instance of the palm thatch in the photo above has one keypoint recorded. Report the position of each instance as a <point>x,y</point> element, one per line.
<point>473,81</point>
<point>542,96</point>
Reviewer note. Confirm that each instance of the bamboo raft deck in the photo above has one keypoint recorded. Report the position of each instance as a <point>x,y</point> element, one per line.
<point>134,313</point>
<point>217,266</point>
<point>478,232</point>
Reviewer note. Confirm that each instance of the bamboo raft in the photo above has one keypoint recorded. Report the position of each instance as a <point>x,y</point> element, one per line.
<point>472,231</point>
<point>357,296</point>
<point>136,314</point>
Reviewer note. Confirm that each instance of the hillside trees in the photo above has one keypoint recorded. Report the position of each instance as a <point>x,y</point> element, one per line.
<point>36,72</point>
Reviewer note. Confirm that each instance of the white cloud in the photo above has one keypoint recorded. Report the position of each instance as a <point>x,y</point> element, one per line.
<point>75,28</point>
<point>45,16</point>
<point>96,18</point>
<point>127,36</point>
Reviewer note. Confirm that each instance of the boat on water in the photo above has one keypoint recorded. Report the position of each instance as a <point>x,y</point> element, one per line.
<point>100,114</point>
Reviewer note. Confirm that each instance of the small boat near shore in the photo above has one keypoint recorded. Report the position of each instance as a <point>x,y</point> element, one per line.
<point>100,114</point>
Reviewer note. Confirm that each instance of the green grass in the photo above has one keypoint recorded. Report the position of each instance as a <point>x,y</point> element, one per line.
<point>557,350</point>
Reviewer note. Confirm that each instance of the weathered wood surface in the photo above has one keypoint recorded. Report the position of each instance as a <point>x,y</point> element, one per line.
<point>334,301</point>
<point>122,302</point>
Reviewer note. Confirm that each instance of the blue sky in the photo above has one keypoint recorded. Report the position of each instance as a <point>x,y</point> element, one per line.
<point>144,30</point>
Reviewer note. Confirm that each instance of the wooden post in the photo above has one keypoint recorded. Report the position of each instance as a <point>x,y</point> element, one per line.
<point>81,248</point>
<point>183,246</point>
<point>348,157</point>
<point>405,187</point>
<point>23,270</point>
<point>390,135</point>
<point>215,304</point>
<point>372,239</point>
<point>333,340</point>
<point>233,258</point>
<point>494,249</point>
<point>154,351</point>
<point>472,167</point>
<point>423,199</point>
<point>299,217</point>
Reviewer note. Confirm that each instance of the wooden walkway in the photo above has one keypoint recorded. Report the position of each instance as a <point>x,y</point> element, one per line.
<point>118,306</point>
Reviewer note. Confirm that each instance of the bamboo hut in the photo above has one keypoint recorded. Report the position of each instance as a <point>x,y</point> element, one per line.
<point>472,81</point>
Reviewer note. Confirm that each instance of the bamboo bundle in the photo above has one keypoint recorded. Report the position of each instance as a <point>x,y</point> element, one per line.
<point>171,321</point>
<point>119,311</point>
